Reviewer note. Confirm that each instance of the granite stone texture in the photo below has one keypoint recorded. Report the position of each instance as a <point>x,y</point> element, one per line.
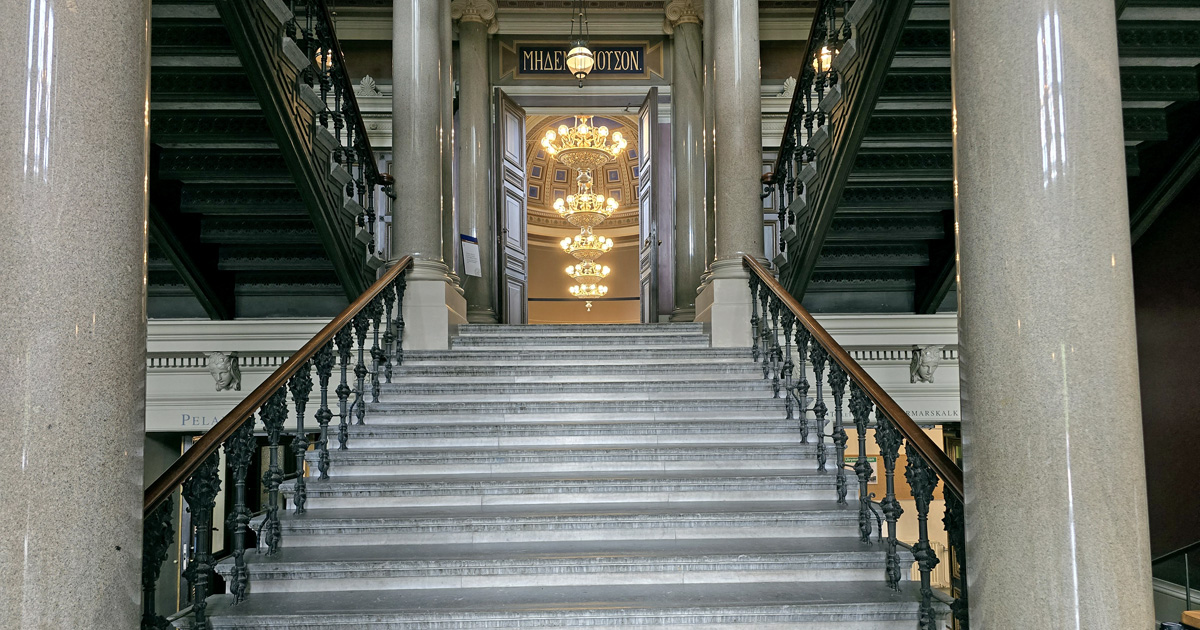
<point>73,321</point>
<point>474,139</point>
<point>738,131</point>
<point>688,137</point>
<point>449,212</point>
<point>1052,441</point>
<point>416,129</point>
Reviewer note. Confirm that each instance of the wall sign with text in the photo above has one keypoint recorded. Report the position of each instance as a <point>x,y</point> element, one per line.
<point>530,60</point>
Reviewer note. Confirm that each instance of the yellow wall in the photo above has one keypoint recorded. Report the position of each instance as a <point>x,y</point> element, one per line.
<point>548,280</point>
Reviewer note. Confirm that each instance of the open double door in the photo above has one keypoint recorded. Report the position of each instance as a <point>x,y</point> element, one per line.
<point>512,247</point>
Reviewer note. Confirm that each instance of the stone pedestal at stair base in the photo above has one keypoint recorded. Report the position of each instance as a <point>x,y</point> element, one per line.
<point>434,307</point>
<point>724,305</point>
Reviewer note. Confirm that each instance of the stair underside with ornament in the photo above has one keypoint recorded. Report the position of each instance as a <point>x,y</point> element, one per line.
<point>516,482</point>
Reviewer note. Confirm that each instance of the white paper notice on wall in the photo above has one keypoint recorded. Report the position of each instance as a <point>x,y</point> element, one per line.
<point>470,252</point>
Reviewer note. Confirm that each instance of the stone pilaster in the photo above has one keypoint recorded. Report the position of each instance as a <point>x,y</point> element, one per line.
<point>683,21</point>
<point>449,209</point>
<point>1052,436</point>
<point>737,163</point>
<point>73,320</point>
<point>476,18</point>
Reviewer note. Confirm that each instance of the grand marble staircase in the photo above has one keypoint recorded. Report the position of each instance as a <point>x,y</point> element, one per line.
<point>573,476</point>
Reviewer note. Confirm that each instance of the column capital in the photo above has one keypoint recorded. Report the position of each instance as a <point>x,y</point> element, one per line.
<point>682,12</point>
<point>481,11</point>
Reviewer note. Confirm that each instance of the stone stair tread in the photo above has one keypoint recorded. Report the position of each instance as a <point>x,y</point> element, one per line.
<point>815,547</point>
<point>383,514</point>
<point>483,479</point>
<point>573,605</point>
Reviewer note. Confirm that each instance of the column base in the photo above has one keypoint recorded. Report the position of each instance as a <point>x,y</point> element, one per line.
<point>684,314</point>
<point>723,304</point>
<point>434,307</point>
<point>482,316</point>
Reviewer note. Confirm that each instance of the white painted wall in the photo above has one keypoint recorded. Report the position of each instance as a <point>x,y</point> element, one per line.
<point>180,394</point>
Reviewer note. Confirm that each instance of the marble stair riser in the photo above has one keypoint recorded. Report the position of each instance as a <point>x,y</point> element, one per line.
<point>347,493</point>
<point>515,573</point>
<point>783,618</point>
<point>374,436</point>
<point>576,330</point>
<point>666,344</point>
<point>747,387</point>
<point>314,531</point>
<point>599,406</point>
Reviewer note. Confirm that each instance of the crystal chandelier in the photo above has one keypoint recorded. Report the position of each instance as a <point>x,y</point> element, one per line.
<point>582,146</point>
<point>588,291</point>
<point>588,272</point>
<point>586,246</point>
<point>585,209</point>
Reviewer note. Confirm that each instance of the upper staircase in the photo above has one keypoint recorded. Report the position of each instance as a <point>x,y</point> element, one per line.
<point>572,476</point>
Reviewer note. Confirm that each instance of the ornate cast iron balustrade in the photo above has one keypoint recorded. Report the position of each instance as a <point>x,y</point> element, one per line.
<point>809,112</point>
<point>778,319</point>
<point>326,76</point>
<point>330,354</point>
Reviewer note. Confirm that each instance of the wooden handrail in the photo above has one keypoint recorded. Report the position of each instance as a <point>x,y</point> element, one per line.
<point>937,459</point>
<point>189,462</point>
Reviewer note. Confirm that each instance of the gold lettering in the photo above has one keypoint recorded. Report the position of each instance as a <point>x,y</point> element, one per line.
<point>637,61</point>
<point>527,60</point>
<point>558,60</point>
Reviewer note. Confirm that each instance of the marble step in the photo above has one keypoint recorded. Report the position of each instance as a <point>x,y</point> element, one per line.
<point>682,356</point>
<point>723,431</point>
<point>578,330</point>
<point>336,527</point>
<point>590,408</point>
<point>596,458</point>
<point>581,342</point>
<point>868,605</point>
<point>659,390</point>
<point>412,372</point>
<point>730,561</point>
<point>378,491</point>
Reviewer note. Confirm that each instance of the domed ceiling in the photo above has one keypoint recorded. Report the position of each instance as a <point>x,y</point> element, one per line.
<point>548,180</point>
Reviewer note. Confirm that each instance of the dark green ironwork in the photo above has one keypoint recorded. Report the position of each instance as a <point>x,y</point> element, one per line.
<point>324,361</point>
<point>200,493</point>
<point>273,414</point>
<point>300,385</point>
<point>239,450</point>
<point>157,536</point>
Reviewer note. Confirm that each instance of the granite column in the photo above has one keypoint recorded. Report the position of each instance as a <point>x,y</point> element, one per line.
<point>432,303</point>
<point>687,107</point>
<point>73,188</point>
<point>1057,533</point>
<point>449,209</point>
<point>724,302</point>
<point>474,138</point>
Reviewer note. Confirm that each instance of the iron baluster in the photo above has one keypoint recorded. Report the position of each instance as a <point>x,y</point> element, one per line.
<point>360,371</point>
<point>803,337</point>
<point>860,408</point>
<point>157,536</point>
<point>389,337</point>
<point>819,359</point>
<point>789,322</point>
<point>837,389</point>
<point>755,324</point>
<point>776,352</point>
<point>324,361</point>
<point>401,284</point>
<point>889,439</point>
<point>273,414</point>
<point>200,493</point>
<point>922,480</point>
<point>764,297</point>
<point>375,312</point>
<point>345,345</point>
<point>956,536</point>
<point>806,84</point>
<point>239,450</point>
<point>301,386</point>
